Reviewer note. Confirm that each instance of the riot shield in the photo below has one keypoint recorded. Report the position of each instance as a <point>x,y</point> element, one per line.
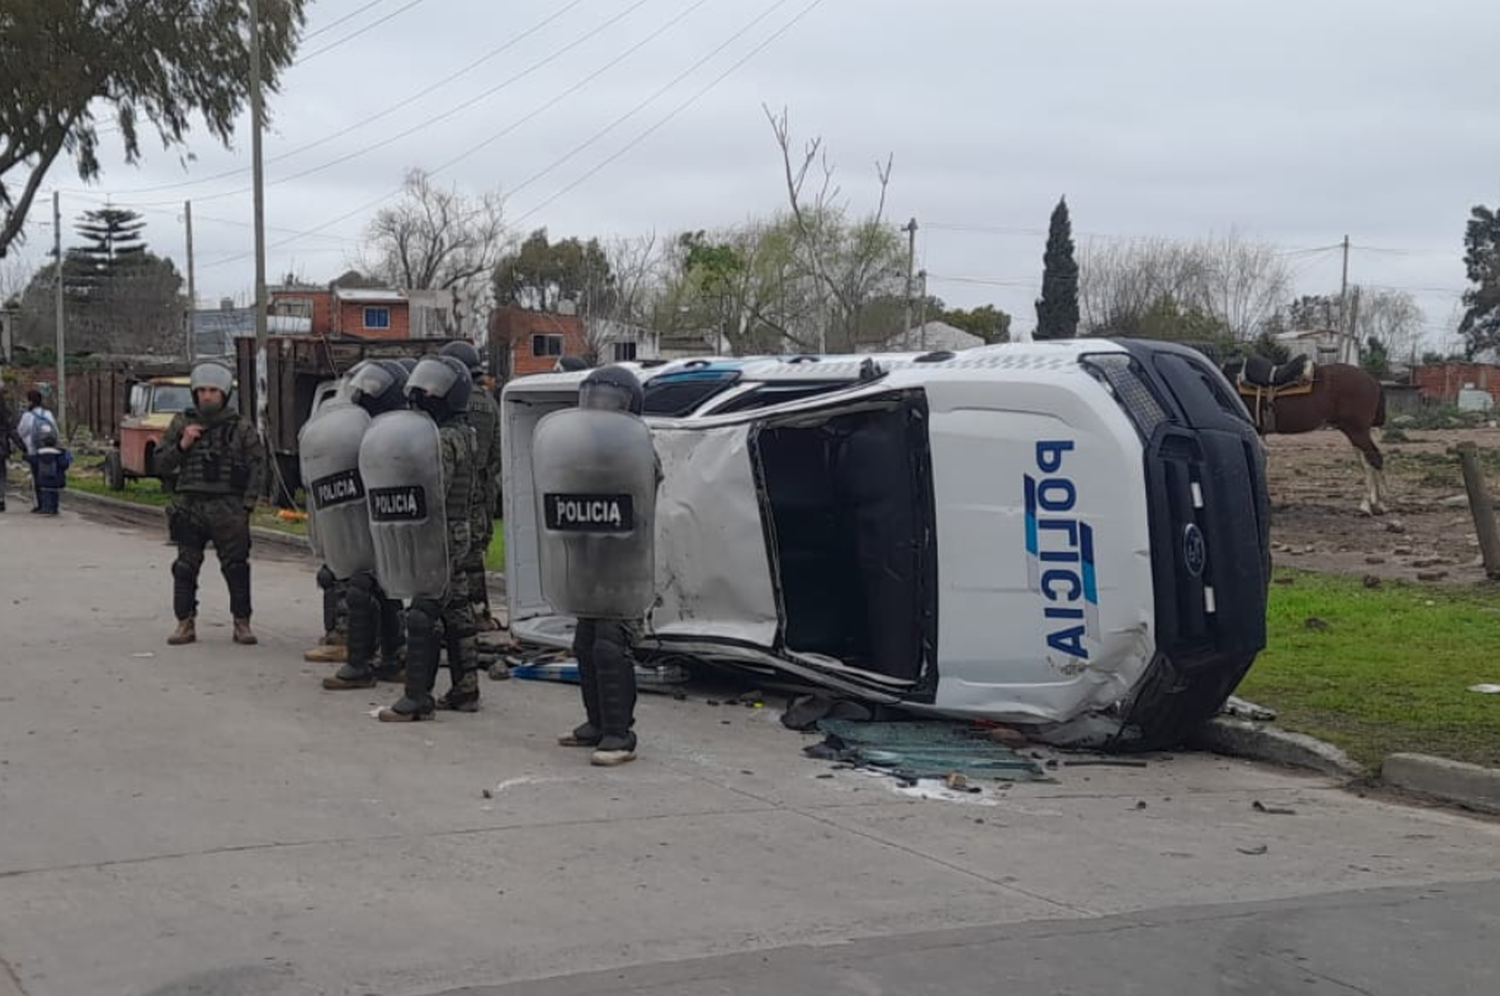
<point>595,479</point>
<point>338,520</point>
<point>401,463</point>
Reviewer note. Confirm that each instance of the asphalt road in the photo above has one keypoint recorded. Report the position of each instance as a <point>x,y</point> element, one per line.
<point>208,820</point>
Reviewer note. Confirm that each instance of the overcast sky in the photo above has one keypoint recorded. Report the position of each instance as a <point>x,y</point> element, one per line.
<point>1296,122</point>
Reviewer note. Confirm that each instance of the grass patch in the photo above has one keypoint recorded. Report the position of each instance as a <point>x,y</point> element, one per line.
<point>494,557</point>
<point>1390,672</point>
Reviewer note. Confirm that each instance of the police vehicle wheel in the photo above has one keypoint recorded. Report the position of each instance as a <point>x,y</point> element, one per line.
<point>114,471</point>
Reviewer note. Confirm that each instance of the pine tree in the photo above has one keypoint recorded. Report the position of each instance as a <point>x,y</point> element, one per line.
<point>112,243</point>
<point>1057,309</point>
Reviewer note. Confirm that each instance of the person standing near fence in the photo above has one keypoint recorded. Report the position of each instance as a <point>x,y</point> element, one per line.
<point>34,424</point>
<point>8,435</point>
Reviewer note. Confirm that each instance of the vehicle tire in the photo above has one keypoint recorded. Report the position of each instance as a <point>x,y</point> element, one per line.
<point>114,471</point>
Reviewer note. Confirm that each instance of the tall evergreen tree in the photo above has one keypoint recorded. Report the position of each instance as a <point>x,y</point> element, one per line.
<point>112,243</point>
<point>1057,309</point>
<point>1481,322</point>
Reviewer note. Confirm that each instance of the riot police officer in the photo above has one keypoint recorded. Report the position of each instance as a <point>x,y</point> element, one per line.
<point>333,648</point>
<point>484,418</point>
<point>340,524</point>
<point>418,468</point>
<point>596,474</point>
<point>213,463</point>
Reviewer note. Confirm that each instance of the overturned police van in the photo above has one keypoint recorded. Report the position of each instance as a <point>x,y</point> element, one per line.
<point>1069,536</point>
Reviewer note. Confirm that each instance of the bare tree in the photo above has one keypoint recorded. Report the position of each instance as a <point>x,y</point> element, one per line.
<point>1394,318</point>
<point>439,239</point>
<point>15,274</point>
<point>1238,282</point>
<point>851,261</point>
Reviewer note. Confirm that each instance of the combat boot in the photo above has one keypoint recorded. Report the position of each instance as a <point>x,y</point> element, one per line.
<point>350,676</point>
<point>243,634</point>
<point>327,653</point>
<point>186,632</point>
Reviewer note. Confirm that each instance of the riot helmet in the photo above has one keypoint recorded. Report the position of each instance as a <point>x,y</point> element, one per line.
<point>408,363</point>
<point>377,386</point>
<point>213,376</point>
<point>465,353</point>
<point>439,386</point>
<point>569,364</point>
<point>612,388</point>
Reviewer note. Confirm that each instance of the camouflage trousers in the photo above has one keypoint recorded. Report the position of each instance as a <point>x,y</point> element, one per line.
<point>481,532</point>
<point>195,521</point>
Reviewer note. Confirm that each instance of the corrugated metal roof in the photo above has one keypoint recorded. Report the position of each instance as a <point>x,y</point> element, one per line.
<point>368,294</point>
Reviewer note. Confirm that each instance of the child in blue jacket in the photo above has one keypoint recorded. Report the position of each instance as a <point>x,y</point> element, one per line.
<point>51,469</point>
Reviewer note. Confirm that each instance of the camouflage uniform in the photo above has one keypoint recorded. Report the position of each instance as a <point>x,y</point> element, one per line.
<point>215,484</point>
<point>484,418</point>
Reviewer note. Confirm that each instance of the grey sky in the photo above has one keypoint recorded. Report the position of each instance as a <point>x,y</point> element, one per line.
<point>1295,122</point>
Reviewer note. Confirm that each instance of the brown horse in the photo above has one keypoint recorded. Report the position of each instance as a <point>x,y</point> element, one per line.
<point>1342,396</point>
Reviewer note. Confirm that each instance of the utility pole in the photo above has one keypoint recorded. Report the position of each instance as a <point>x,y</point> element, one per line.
<point>911,266</point>
<point>62,354</point>
<point>257,121</point>
<point>192,345</point>
<point>1344,306</point>
<point>922,311</point>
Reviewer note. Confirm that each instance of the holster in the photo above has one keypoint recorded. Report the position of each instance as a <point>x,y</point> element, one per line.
<point>179,528</point>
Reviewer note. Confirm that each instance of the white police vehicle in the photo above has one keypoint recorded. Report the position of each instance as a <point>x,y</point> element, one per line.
<point>1072,536</point>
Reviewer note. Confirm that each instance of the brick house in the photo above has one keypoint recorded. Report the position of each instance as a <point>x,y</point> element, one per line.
<point>1442,381</point>
<point>364,313</point>
<point>529,342</point>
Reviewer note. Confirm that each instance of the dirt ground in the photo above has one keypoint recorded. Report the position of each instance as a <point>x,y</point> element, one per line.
<point>1427,533</point>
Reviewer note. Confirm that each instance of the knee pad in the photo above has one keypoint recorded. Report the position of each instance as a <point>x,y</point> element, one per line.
<point>183,571</point>
<point>326,580</point>
<point>363,582</point>
<point>421,619</point>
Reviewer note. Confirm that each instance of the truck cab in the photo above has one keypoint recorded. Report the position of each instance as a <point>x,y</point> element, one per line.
<point>152,405</point>
<point>1068,536</point>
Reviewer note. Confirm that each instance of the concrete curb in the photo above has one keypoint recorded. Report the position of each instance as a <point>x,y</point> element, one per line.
<point>1262,742</point>
<point>154,515</point>
<point>1467,785</point>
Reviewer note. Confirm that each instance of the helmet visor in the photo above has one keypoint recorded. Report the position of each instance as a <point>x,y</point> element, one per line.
<point>604,397</point>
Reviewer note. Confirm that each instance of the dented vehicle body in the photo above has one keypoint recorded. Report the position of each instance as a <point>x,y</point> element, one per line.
<point>1068,536</point>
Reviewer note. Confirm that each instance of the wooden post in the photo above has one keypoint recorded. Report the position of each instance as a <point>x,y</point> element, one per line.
<point>1481,507</point>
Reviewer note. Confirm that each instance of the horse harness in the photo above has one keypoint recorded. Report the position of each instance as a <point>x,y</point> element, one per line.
<point>1260,381</point>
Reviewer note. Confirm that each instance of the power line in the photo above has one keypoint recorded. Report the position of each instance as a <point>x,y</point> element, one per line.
<point>679,108</point>
<point>359,31</point>
<point>506,130</point>
<point>429,122</point>
<point>491,54</point>
<point>176,213</point>
<point>349,16</point>
<point>638,107</point>
<point>985,281</point>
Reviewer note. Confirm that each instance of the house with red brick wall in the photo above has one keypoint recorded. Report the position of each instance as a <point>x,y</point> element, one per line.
<point>1441,382</point>
<point>529,342</point>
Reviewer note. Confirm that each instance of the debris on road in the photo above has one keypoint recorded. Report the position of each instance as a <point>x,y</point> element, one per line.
<point>956,753</point>
<point>1261,807</point>
<point>1256,850</point>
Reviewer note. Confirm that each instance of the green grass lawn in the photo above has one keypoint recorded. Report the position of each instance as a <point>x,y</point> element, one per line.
<point>1390,672</point>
